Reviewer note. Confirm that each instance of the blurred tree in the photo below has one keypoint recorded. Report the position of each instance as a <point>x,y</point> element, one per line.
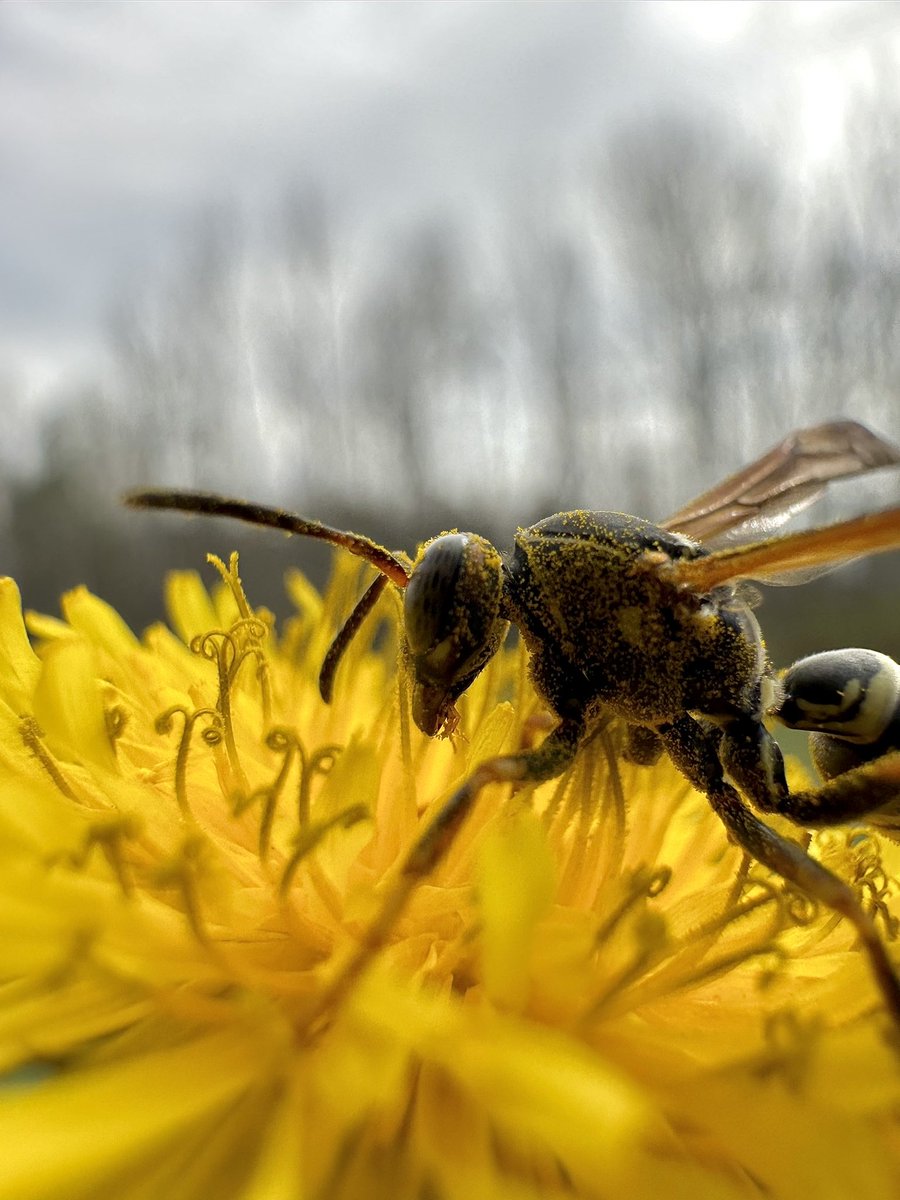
<point>423,347</point>
<point>180,372</point>
<point>296,323</point>
<point>557,312</point>
<point>847,305</point>
<point>699,219</point>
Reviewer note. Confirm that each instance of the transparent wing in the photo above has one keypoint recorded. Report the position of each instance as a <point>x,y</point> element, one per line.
<point>808,551</point>
<point>759,498</point>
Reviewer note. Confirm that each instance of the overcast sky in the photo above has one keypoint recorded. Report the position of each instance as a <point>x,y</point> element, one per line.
<point>120,121</point>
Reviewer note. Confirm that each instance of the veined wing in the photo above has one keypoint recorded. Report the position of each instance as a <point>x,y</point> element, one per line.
<point>792,475</point>
<point>810,549</point>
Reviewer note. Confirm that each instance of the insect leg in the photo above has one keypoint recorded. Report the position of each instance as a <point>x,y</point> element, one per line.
<point>753,761</point>
<point>865,791</point>
<point>693,748</point>
<point>551,758</point>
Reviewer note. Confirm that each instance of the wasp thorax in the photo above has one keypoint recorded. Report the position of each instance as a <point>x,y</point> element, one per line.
<point>452,622</point>
<point>851,694</point>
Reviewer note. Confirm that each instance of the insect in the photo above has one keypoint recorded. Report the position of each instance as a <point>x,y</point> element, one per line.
<point>626,618</point>
<point>849,701</point>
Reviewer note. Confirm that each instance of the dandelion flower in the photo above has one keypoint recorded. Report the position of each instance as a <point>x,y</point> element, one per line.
<point>592,995</point>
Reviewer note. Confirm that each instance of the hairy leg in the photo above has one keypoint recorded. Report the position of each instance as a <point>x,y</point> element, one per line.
<point>871,790</point>
<point>694,750</point>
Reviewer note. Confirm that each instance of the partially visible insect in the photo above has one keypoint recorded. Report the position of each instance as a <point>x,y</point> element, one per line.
<point>621,618</point>
<point>849,702</point>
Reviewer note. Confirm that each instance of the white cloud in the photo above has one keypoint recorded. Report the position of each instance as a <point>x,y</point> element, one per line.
<point>118,121</point>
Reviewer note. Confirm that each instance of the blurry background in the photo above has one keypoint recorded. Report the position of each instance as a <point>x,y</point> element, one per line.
<point>406,267</point>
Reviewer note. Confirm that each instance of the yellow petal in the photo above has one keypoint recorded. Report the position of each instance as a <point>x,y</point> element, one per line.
<point>19,665</point>
<point>69,707</point>
<point>190,609</point>
<point>515,885</point>
<point>99,623</point>
<point>73,1136</point>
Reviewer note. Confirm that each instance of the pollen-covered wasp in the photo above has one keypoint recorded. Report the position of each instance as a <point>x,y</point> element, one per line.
<point>622,618</point>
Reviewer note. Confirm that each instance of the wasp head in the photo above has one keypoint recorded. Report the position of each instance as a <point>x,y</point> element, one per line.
<point>453,623</point>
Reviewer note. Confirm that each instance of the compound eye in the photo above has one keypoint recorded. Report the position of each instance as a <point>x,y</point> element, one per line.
<point>452,622</point>
<point>451,607</point>
<point>429,601</point>
<point>850,694</point>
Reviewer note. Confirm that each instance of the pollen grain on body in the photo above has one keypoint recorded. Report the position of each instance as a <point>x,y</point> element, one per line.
<point>593,993</point>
